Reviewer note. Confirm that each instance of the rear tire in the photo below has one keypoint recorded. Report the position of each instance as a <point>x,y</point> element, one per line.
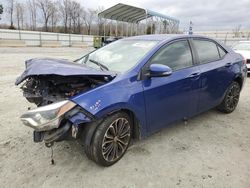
<point>231,98</point>
<point>110,140</point>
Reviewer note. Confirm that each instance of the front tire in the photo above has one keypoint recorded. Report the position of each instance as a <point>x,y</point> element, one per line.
<point>231,98</point>
<point>111,139</point>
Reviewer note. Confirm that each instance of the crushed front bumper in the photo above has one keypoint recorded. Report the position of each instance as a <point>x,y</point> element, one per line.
<point>56,122</point>
<point>55,135</point>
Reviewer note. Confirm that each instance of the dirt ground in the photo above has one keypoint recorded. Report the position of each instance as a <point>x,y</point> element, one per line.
<point>212,150</point>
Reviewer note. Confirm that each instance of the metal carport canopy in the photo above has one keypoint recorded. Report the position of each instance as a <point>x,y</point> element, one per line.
<point>128,13</point>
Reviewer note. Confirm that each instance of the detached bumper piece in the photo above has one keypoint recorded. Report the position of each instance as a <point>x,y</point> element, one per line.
<point>55,135</point>
<point>38,136</point>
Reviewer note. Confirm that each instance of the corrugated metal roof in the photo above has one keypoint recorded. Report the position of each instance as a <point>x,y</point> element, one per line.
<point>128,13</point>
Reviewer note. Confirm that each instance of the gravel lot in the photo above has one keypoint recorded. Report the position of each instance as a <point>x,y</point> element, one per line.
<point>212,150</point>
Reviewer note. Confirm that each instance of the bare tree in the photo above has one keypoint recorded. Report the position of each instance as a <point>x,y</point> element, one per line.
<point>10,11</point>
<point>19,15</point>
<point>32,7</point>
<point>100,21</point>
<point>88,18</point>
<point>236,31</point>
<point>75,10</point>
<point>68,15</point>
<point>1,10</point>
<point>47,10</point>
<point>65,11</point>
<point>54,17</point>
<point>79,19</point>
<point>165,26</point>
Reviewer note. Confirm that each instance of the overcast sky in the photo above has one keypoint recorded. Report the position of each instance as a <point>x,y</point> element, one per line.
<point>205,14</point>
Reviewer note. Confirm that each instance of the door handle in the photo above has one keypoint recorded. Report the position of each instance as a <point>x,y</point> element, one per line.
<point>194,75</point>
<point>228,65</point>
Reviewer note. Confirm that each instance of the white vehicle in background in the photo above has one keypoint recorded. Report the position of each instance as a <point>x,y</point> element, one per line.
<point>243,48</point>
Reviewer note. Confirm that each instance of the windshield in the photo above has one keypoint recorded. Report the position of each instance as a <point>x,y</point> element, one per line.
<point>118,56</point>
<point>242,46</point>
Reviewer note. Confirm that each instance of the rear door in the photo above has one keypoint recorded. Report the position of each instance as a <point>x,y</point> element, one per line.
<point>171,98</point>
<point>215,68</point>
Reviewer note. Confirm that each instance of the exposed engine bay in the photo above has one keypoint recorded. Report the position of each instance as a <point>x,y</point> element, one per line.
<point>43,90</point>
<point>47,80</point>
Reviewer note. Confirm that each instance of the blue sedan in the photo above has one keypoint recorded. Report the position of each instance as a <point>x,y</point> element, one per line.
<point>129,89</point>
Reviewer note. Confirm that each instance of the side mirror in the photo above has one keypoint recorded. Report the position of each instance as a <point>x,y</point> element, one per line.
<point>159,70</point>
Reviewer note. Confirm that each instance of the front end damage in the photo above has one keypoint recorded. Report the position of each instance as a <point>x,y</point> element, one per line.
<point>50,84</point>
<point>55,122</point>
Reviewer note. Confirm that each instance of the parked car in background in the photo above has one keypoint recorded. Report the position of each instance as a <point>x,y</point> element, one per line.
<point>108,40</point>
<point>128,89</point>
<point>243,48</point>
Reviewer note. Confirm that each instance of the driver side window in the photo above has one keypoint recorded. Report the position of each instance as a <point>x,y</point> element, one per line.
<point>176,55</point>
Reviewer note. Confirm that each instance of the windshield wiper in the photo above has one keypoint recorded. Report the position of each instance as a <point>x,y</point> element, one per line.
<point>99,64</point>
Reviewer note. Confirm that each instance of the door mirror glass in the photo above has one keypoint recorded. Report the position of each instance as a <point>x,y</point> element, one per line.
<point>159,70</point>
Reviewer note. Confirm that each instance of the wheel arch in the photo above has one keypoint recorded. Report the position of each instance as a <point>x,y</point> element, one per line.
<point>239,80</point>
<point>136,133</point>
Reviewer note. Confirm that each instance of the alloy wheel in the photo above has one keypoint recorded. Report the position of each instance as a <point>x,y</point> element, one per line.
<point>233,97</point>
<point>116,139</point>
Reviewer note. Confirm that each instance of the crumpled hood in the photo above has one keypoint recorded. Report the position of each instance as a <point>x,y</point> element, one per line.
<point>49,66</point>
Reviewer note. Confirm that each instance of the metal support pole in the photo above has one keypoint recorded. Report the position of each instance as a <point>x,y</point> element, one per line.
<point>116,31</point>
<point>20,35</point>
<point>104,25</point>
<point>151,29</point>
<point>110,28</point>
<point>127,29</point>
<point>146,17</point>
<point>160,26</point>
<point>40,37</point>
<point>122,28</point>
<point>131,29</point>
<point>69,40</point>
<point>137,28</point>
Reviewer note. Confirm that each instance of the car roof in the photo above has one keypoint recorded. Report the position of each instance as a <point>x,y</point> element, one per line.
<point>163,37</point>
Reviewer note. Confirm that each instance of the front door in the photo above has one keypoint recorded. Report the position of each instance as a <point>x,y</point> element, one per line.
<point>171,98</point>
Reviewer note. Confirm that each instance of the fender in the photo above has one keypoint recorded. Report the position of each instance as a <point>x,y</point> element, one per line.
<point>117,95</point>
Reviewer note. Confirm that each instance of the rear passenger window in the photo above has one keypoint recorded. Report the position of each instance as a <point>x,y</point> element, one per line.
<point>176,55</point>
<point>207,50</point>
<point>222,52</point>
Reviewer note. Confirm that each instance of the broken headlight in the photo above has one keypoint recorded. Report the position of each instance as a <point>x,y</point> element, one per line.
<point>47,117</point>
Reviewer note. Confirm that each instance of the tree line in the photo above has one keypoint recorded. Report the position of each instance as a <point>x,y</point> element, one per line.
<point>65,16</point>
<point>69,16</point>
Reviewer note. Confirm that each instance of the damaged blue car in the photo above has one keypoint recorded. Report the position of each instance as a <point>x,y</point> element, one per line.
<point>129,89</point>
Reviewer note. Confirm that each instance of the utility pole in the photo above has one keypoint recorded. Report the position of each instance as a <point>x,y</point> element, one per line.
<point>190,31</point>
